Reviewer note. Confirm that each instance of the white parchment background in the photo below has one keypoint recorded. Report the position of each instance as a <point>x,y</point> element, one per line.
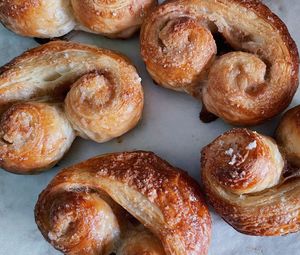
<point>170,127</point>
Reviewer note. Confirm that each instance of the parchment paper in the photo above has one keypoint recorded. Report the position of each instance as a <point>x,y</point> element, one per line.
<point>170,127</point>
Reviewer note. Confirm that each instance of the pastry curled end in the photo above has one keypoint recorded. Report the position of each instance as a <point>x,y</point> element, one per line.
<point>101,91</point>
<point>288,135</point>
<point>140,241</point>
<point>37,18</point>
<point>244,176</point>
<point>101,107</point>
<point>54,18</point>
<point>104,93</point>
<point>48,71</point>
<point>114,18</point>
<point>237,80</point>
<point>124,203</point>
<point>176,50</point>
<point>244,87</point>
<point>34,136</point>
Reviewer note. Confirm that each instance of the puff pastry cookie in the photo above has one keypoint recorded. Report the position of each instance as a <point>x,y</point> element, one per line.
<point>124,203</point>
<point>252,181</point>
<point>246,86</point>
<point>62,89</point>
<point>288,135</point>
<point>54,18</point>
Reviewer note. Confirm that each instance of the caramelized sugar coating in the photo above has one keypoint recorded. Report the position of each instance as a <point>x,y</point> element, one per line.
<point>54,18</point>
<point>34,136</point>
<point>254,82</point>
<point>288,135</point>
<point>127,203</point>
<point>250,183</point>
<point>99,93</point>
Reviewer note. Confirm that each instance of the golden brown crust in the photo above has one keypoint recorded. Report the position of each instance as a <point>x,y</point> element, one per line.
<point>54,18</point>
<point>33,136</point>
<point>74,60</point>
<point>251,95</point>
<point>288,135</point>
<point>163,198</point>
<point>104,93</point>
<point>246,181</point>
<point>101,108</point>
<point>265,13</point>
<point>112,18</point>
<point>139,242</point>
<point>36,18</point>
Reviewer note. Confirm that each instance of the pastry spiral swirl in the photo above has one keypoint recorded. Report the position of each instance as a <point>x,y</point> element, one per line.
<point>33,136</point>
<point>288,135</point>
<point>100,108</point>
<point>54,18</point>
<point>250,183</point>
<point>255,82</point>
<point>126,203</point>
<point>99,93</point>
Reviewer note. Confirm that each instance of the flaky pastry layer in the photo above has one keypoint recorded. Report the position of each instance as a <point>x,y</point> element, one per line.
<point>170,215</point>
<point>251,184</point>
<point>254,82</point>
<point>54,18</point>
<point>99,92</point>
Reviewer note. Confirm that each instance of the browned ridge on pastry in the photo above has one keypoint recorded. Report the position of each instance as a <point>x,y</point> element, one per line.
<point>288,135</point>
<point>252,182</point>
<point>54,18</point>
<point>126,203</point>
<point>254,82</point>
<point>59,90</point>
